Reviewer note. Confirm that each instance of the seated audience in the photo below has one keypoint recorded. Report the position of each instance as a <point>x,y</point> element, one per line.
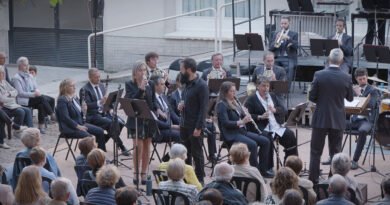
<point>175,172</point>
<point>6,194</point>
<point>5,119</point>
<point>337,190</point>
<point>38,159</point>
<point>292,197</point>
<point>295,163</point>
<point>214,196</point>
<point>29,94</point>
<point>223,173</point>
<point>59,192</point>
<point>31,137</point>
<point>385,185</point>
<point>180,151</point>
<point>97,159</point>
<point>86,145</point>
<point>239,156</point>
<point>126,196</point>
<point>284,179</point>
<point>29,188</point>
<point>106,179</point>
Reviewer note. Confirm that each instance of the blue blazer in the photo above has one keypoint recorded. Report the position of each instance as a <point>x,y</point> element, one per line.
<point>174,100</point>
<point>68,114</point>
<point>227,120</point>
<point>91,99</point>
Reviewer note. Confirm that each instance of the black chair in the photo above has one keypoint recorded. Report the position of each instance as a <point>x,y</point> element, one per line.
<point>80,169</point>
<point>3,176</point>
<point>85,203</point>
<point>321,191</point>
<point>68,140</point>
<point>175,65</point>
<point>87,185</point>
<point>242,183</point>
<point>351,196</point>
<point>160,176</point>
<point>47,181</point>
<point>305,194</point>
<point>225,145</point>
<point>203,65</point>
<point>20,163</point>
<point>164,197</point>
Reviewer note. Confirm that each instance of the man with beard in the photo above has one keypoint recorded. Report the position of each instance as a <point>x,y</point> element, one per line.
<point>193,106</point>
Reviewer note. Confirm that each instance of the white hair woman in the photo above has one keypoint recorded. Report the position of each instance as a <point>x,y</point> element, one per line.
<point>104,194</point>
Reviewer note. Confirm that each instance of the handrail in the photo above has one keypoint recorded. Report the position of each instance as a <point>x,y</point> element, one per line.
<point>155,21</point>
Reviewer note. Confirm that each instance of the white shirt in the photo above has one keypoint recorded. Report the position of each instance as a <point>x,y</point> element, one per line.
<point>273,125</point>
<point>162,102</point>
<point>96,94</point>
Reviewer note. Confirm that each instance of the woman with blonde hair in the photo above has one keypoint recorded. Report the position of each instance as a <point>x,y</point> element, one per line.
<point>284,179</point>
<point>138,88</point>
<point>29,189</point>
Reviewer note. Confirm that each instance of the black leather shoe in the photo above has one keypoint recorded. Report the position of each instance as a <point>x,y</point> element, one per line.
<point>267,174</point>
<point>327,162</point>
<point>354,165</point>
<point>126,152</point>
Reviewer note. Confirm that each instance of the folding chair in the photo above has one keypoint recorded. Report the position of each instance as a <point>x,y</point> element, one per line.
<point>66,138</point>
<point>160,176</point>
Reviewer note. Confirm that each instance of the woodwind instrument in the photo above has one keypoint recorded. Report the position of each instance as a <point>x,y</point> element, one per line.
<point>241,107</point>
<point>83,105</point>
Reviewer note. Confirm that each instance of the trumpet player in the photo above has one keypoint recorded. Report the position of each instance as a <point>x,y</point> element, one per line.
<point>345,43</point>
<point>268,112</point>
<point>216,71</point>
<point>95,96</point>
<point>151,60</point>
<point>285,45</point>
<point>269,69</point>
<point>233,121</point>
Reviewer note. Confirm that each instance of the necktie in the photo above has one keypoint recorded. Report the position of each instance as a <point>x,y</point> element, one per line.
<point>98,93</point>
<point>361,91</point>
<point>162,104</point>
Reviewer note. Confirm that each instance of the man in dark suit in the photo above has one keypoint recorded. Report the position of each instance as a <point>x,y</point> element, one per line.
<point>276,72</point>
<point>95,95</point>
<point>345,43</point>
<point>217,63</point>
<point>3,57</point>
<point>337,190</point>
<point>358,122</point>
<point>285,45</point>
<point>329,88</point>
<point>194,108</point>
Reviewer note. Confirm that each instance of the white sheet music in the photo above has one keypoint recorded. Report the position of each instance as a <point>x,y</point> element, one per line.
<point>354,103</point>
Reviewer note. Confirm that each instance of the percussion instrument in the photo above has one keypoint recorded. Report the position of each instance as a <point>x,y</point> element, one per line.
<point>385,106</point>
<point>383,131</point>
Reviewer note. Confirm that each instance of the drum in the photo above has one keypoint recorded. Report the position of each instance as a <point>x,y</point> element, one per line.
<point>385,105</point>
<point>383,131</point>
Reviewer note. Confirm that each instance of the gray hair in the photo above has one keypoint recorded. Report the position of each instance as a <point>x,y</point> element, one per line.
<point>92,71</point>
<point>341,164</point>
<point>176,169</point>
<point>178,151</point>
<point>2,70</point>
<point>337,184</point>
<point>336,56</point>
<point>31,137</point>
<point>59,188</point>
<point>223,172</point>
<point>107,176</point>
<point>22,60</point>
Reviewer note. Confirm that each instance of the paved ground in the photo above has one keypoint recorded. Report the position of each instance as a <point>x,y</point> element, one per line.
<point>51,87</point>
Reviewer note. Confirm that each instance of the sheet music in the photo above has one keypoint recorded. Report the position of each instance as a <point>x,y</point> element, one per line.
<point>354,103</point>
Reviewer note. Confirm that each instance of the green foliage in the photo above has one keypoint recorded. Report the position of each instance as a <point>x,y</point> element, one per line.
<point>55,2</point>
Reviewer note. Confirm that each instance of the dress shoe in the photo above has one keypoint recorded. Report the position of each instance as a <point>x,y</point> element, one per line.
<point>126,152</point>
<point>354,165</point>
<point>327,162</point>
<point>267,174</point>
<point>4,146</point>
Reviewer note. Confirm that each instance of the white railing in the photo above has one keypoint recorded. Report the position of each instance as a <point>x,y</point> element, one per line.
<point>155,21</point>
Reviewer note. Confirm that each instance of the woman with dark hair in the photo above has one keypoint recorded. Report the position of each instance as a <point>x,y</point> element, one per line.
<point>233,118</point>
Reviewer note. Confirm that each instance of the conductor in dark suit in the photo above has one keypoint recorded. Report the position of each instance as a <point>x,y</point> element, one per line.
<point>345,43</point>
<point>95,96</point>
<point>285,45</point>
<point>70,119</point>
<point>361,123</point>
<point>329,88</point>
<point>275,72</point>
<point>217,63</point>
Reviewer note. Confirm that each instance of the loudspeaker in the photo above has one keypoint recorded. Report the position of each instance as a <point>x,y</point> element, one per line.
<point>97,8</point>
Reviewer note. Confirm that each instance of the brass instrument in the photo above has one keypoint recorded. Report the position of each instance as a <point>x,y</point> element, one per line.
<point>83,105</point>
<point>250,89</point>
<point>158,72</point>
<point>216,74</point>
<point>279,41</point>
<point>268,73</point>
<point>241,107</point>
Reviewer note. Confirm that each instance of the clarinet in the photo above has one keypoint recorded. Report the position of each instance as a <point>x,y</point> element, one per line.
<point>83,104</point>
<point>277,138</point>
<point>247,114</point>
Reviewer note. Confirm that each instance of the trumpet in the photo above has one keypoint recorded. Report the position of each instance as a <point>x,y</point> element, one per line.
<point>279,41</point>
<point>241,107</point>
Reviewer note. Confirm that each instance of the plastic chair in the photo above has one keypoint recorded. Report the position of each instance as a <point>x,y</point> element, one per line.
<point>164,197</point>
<point>242,183</point>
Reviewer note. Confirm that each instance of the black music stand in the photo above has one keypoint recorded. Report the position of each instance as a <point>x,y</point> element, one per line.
<point>280,87</point>
<point>300,5</point>
<point>250,42</point>
<point>215,84</point>
<point>322,47</point>
<point>377,54</point>
<point>112,99</point>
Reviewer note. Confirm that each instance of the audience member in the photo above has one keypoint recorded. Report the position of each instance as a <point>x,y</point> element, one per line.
<point>223,173</point>
<point>97,159</point>
<point>214,196</point>
<point>385,185</point>
<point>337,189</point>
<point>295,163</point>
<point>6,195</point>
<point>180,151</point>
<point>126,196</point>
<point>29,188</point>
<point>239,155</point>
<point>285,178</point>
<point>106,179</point>
<point>175,172</point>
<point>86,145</point>
<point>292,197</point>
<point>59,192</point>
<point>204,202</point>
<point>6,120</point>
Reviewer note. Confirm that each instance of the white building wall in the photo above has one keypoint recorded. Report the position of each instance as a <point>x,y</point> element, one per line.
<point>4,26</point>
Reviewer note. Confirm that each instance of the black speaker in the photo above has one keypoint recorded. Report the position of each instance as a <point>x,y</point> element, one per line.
<point>97,8</point>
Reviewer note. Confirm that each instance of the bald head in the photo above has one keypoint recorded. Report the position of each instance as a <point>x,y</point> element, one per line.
<point>337,185</point>
<point>336,56</point>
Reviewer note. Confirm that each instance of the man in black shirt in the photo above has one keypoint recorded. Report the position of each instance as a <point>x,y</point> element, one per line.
<point>193,108</point>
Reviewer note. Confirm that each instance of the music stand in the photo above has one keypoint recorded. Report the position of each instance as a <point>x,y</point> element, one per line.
<point>250,42</point>
<point>215,84</point>
<point>280,87</point>
<point>377,54</point>
<point>322,47</point>
<point>111,100</point>
<point>300,5</point>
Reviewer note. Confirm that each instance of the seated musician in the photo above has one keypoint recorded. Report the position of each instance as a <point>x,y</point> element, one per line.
<point>360,122</point>
<point>168,121</point>
<point>268,112</point>
<point>29,95</point>
<point>269,69</point>
<point>95,95</point>
<point>233,121</point>
<point>70,115</point>
<point>216,71</point>
<point>285,45</point>
<point>345,43</point>
<point>151,60</point>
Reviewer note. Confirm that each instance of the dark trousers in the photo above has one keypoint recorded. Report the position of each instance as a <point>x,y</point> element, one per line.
<point>168,135</point>
<point>363,127</point>
<point>289,65</point>
<point>194,150</point>
<point>211,139</point>
<point>21,115</point>
<point>318,137</point>
<point>105,123</point>
<point>381,25</point>
<point>4,119</point>
<point>288,141</point>
<point>43,106</point>
<point>92,130</point>
<point>50,100</point>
